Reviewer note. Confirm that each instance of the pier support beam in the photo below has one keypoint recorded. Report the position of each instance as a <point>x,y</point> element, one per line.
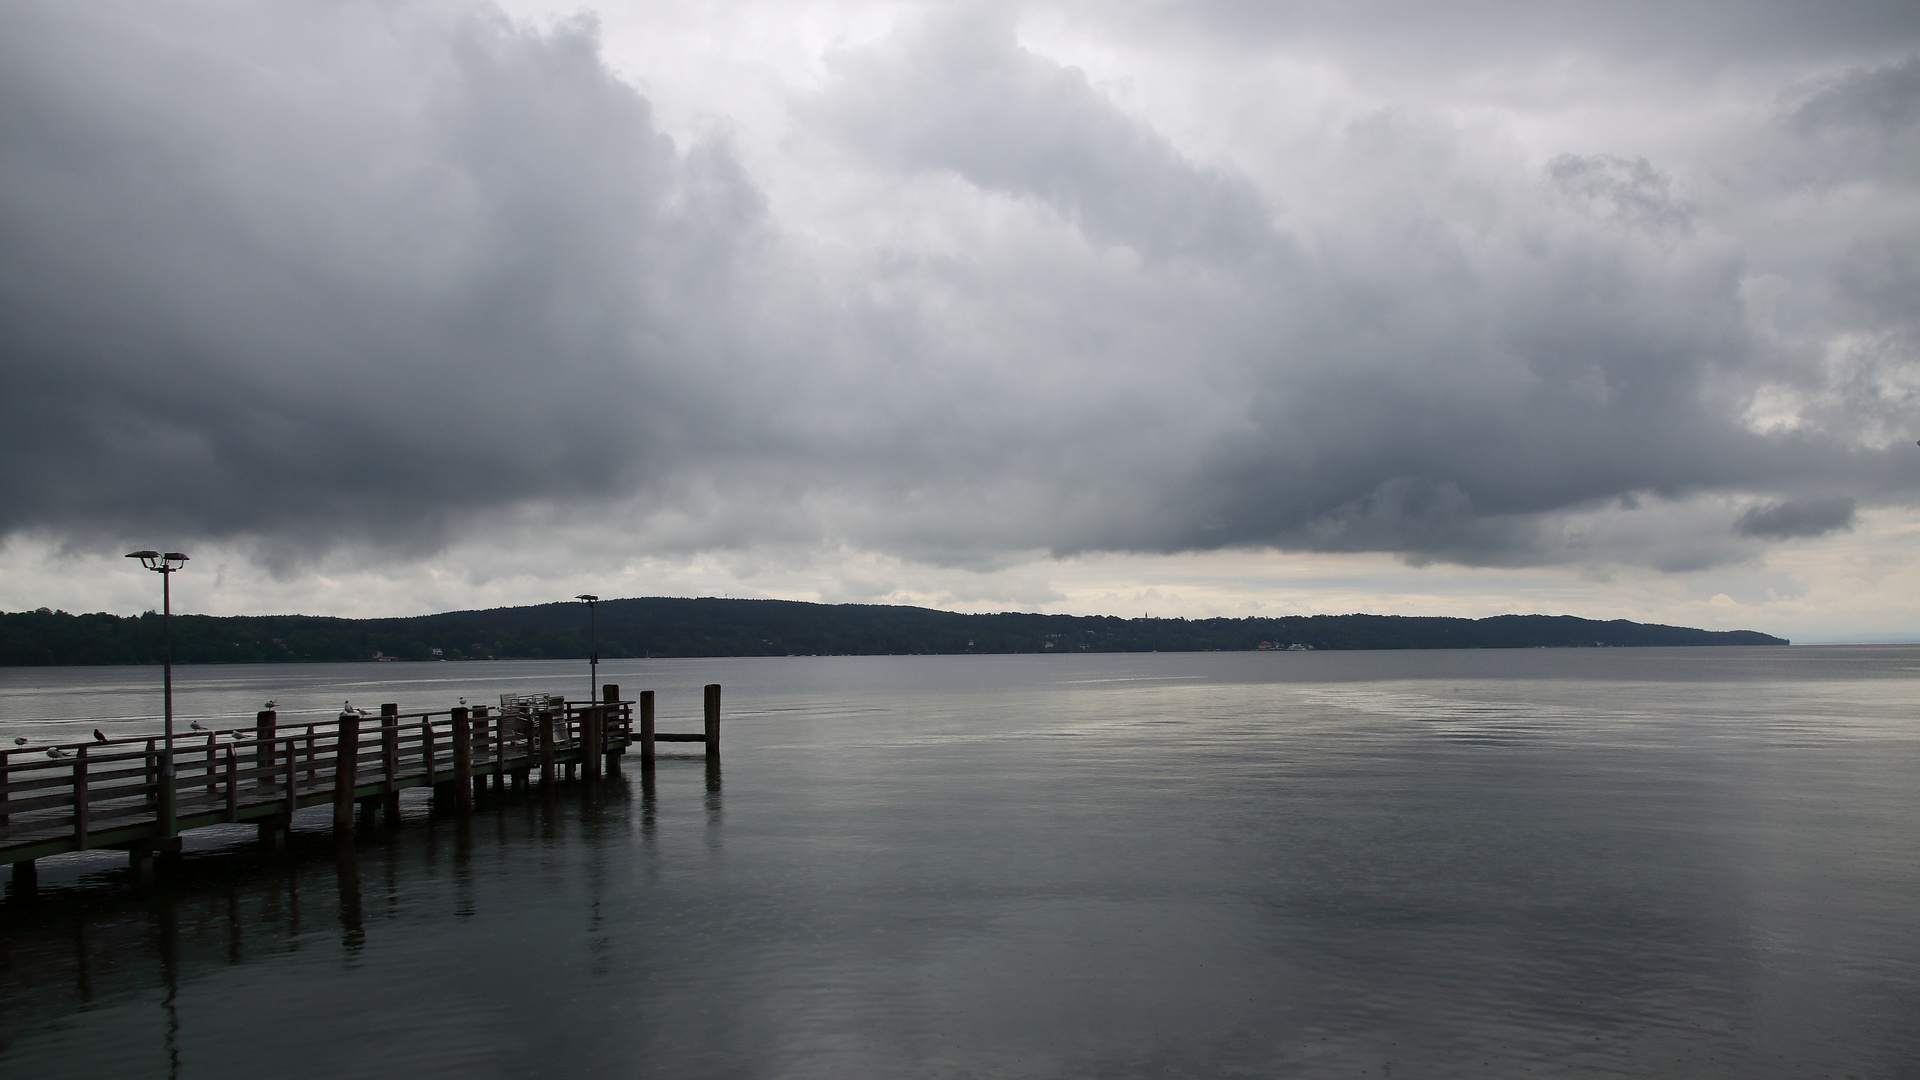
<point>273,832</point>
<point>26,878</point>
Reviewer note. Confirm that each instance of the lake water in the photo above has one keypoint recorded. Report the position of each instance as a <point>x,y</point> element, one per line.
<point>1631,862</point>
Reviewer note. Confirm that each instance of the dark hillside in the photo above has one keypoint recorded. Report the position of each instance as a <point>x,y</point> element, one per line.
<point>668,626</point>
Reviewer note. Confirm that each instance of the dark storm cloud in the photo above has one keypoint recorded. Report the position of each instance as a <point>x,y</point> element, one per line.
<point>341,270</point>
<point>1804,517</point>
<point>1431,378</point>
<point>342,273</point>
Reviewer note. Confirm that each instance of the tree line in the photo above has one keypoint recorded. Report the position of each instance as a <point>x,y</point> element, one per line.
<point>678,627</point>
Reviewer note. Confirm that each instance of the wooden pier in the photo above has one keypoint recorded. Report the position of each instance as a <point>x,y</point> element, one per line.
<point>110,794</point>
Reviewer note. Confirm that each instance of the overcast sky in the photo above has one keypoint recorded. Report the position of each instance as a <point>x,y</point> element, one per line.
<point>1191,308</point>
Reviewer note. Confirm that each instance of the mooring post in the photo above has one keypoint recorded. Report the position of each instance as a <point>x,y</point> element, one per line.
<point>591,723</point>
<point>390,763</point>
<point>80,800</point>
<point>615,714</point>
<point>546,753</point>
<point>646,729</point>
<point>463,760</point>
<point>264,722</point>
<point>713,720</point>
<point>346,772</point>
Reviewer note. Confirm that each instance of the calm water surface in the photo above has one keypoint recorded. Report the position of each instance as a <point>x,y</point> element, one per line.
<point>1643,862</point>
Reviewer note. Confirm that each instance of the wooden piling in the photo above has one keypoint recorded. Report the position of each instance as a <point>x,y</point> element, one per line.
<point>713,720</point>
<point>264,723</point>
<point>346,772</point>
<point>612,748</point>
<point>646,727</point>
<point>390,763</point>
<point>80,799</point>
<point>463,759</point>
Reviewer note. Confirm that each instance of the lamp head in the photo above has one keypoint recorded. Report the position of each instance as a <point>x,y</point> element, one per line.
<point>154,560</point>
<point>588,597</point>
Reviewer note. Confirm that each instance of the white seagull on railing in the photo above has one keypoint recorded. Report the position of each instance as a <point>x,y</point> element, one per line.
<point>21,741</point>
<point>196,726</point>
<point>56,752</point>
<point>270,704</point>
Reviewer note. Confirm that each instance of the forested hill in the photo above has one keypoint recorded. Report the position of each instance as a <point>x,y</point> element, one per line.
<point>664,626</point>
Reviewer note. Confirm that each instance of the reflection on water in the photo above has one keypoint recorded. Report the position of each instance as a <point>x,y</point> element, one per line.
<point>1621,862</point>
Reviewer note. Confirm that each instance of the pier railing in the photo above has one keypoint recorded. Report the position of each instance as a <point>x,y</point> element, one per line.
<point>110,793</point>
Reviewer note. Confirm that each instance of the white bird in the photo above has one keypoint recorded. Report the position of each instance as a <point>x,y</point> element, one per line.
<point>56,752</point>
<point>21,741</point>
<point>270,703</point>
<point>463,701</point>
<point>239,735</point>
<point>196,726</point>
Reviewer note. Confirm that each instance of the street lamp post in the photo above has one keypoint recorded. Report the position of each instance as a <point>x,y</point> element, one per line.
<point>593,650</point>
<point>166,566</point>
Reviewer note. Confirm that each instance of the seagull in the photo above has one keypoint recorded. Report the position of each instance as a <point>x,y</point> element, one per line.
<point>463,701</point>
<point>237,735</point>
<point>196,726</point>
<point>56,752</point>
<point>21,741</point>
<point>270,704</point>
<point>99,736</point>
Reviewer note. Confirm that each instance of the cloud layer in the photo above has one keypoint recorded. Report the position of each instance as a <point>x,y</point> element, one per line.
<point>383,276</point>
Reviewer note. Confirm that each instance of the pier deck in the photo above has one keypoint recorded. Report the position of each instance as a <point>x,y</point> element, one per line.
<point>110,794</point>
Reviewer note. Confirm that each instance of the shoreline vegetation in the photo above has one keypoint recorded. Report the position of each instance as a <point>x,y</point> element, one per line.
<point>672,627</point>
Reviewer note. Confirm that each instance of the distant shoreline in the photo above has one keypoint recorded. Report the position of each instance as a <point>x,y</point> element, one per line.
<point>681,628</point>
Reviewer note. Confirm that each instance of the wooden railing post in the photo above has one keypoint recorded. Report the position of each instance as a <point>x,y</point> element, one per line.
<point>80,799</point>
<point>426,749</point>
<point>213,758</point>
<point>233,784</point>
<point>463,759</point>
<point>293,782</point>
<point>6,777</point>
<point>713,720</point>
<point>390,744</point>
<point>346,773</point>
<point>646,728</point>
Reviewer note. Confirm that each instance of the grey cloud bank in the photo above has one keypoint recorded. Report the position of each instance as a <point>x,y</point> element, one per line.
<point>317,276</point>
